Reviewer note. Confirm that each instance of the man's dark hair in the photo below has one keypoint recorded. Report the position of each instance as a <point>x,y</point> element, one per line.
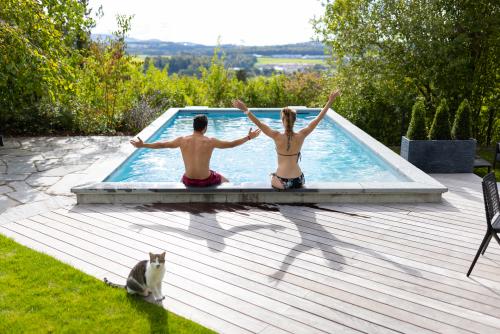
<point>200,122</point>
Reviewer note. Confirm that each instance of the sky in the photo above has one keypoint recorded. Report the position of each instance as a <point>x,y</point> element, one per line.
<point>255,22</point>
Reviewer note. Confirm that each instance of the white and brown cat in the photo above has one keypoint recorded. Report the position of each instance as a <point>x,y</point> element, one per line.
<point>145,278</point>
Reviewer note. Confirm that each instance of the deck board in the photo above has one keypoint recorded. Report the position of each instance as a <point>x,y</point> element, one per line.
<point>335,268</point>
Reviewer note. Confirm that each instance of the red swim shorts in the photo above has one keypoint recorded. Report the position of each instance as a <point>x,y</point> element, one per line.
<point>213,180</point>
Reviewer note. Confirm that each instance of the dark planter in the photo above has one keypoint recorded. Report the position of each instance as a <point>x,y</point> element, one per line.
<point>440,156</point>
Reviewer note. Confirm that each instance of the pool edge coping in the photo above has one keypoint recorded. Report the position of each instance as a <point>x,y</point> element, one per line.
<point>420,183</point>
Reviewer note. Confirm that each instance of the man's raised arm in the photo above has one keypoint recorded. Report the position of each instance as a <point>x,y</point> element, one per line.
<point>159,144</point>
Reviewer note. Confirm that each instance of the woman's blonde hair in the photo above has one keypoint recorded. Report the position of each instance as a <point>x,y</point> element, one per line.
<point>288,116</point>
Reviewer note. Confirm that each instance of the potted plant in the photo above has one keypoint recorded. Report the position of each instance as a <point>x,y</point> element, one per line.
<point>447,150</point>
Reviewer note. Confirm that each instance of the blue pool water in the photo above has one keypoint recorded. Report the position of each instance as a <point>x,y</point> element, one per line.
<point>329,154</point>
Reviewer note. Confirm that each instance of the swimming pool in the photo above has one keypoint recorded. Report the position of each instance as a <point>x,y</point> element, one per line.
<point>329,154</point>
<point>341,164</point>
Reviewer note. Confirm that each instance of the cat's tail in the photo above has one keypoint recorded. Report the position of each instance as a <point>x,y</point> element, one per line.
<point>114,285</point>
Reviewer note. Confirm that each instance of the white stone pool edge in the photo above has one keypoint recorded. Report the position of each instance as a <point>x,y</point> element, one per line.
<point>421,188</point>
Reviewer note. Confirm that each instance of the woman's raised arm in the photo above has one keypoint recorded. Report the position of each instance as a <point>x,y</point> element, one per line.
<point>314,123</point>
<point>264,127</point>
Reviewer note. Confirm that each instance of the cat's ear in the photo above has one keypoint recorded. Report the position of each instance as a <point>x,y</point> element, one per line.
<point>162,255</point>
<point>151,255</point>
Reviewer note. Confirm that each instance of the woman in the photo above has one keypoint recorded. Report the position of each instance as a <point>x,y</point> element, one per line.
<point>288,144</point>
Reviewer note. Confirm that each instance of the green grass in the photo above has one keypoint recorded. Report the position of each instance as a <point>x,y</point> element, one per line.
<point>276,61</point>
<point>39,294</point>
<point>487,154</point>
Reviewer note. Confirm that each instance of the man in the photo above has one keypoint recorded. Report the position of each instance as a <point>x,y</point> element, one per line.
<point>196,152</point>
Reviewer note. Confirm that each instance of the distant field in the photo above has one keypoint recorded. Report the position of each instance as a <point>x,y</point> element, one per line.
<point>141,58</point>
<point>273,61</point>
<point>138,59</point>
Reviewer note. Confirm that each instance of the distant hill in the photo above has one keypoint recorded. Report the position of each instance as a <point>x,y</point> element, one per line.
<point>154,47</point>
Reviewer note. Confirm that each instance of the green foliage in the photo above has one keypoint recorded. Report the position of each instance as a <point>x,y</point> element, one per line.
<point>385,53</point>
<point>95,87</point>
<point>218,83</point>
<point>437,49</point>
<point>36,68</point>
<point>487,153</point>
<point>304,89</point>
<point>440,128</point>
<point>462,125</point>
<point>190,64</point>
<point>108,82</point>
<point>417,129</point>
<point>377,105</point>
<point>42,295</point>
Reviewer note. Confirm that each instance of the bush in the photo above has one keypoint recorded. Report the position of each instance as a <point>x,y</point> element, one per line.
<point>302,89</point>
<point>462,128</point>
<point>144,111</point>
<point>417,129</point>
<point>440,129</point>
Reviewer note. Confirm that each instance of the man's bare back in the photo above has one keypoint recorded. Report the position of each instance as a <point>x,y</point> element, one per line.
<point>196,149</point>
<point>196,152</point>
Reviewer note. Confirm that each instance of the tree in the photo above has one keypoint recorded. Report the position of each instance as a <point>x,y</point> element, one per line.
<point>437,49</point>
<point>417,129</point>
<point>38,48</point>
<point>241,75</point>
<point>107,83</point>
<point>462,124</point>
<point>440,128</point>
<point>218,82</point>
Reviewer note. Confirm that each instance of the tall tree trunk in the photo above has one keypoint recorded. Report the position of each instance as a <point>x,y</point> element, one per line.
<point>491,118</point>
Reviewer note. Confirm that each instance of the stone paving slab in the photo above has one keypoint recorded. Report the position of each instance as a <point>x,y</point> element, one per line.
<point>26,159</point>
<point>36,180</point>
<point>24,193</point>
<point>10,143</point>
<point>72,160</point>
<point>7,202</point>
<point>63,187</point>
<point>16,152</point>
<point>13,177</point>
<point>46,164</point>
<point>63,170</point>
<point>23,168</point>
<point>37,173</point>
<point>5,189</point>
<point>55,154</point>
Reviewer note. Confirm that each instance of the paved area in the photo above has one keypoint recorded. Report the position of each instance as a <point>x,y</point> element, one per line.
<point>37,173</point>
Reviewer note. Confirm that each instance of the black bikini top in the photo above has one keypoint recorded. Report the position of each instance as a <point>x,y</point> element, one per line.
<point>291,155</point>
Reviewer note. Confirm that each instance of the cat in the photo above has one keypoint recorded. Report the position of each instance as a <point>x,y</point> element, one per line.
<point>145,278</point>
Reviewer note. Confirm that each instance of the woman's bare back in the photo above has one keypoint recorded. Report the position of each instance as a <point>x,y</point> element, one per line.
<point>288,166</point>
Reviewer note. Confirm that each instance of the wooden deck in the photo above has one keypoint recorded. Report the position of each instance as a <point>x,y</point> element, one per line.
<point>296,269</point>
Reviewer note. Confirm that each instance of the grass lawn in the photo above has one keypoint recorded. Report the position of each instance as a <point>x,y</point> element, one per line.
<point>487,154</point>
<point>276,61</point>
<point>39,294</point>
